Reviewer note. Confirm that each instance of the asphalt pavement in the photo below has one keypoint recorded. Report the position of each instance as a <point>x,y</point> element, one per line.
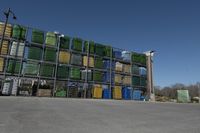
<point>62,115</point>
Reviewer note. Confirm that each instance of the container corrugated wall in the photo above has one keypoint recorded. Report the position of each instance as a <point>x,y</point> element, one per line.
<point>17,49</point>
<point>117,92</point>
<point>8,30</point>
<point>50,38</point>
<point>64,57</point>
<point>97,91</point>
<point>1,64</point>
<point>4,47</point>
<point>85,61</point>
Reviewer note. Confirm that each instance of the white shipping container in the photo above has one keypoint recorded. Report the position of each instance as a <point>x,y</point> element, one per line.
<point>6,88</point>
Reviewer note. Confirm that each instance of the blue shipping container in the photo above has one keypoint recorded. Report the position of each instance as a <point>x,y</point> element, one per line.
<point>106,94</point>
<point>127,93</point>
<point>137,95</point>
<point>142,71</point>
<point>126,55</point>
<point>117,54</point>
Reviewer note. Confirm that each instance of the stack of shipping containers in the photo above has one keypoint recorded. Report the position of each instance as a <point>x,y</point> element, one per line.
<point>39,63</point>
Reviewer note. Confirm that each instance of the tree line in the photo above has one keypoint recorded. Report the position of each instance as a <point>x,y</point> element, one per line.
<point>171,91</point>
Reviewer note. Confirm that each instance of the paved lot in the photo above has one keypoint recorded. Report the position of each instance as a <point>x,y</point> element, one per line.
<point>59,115</point>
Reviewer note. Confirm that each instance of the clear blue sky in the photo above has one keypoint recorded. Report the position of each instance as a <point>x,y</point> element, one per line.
<point>171,27</point>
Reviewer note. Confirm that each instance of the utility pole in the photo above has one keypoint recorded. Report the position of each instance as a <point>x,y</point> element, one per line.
<point>150,85</point>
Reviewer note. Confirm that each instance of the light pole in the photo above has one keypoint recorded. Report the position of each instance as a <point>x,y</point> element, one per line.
<point>7,14</point>
<point>151,90</point>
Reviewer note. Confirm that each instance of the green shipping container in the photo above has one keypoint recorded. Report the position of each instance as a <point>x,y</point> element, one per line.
<point>50,54</point>
<point>135,69</point>
<point>37,36</point>
<point>136,81</point>
<point>34,53</point>
<point>46,70</point>
<point>30,68</point>
<point>77,44</point>
<point>91,48</point>
<point>61,93</point>
<point>97,76</point>
<point>76,59</point>
<point>19,32</point>
<point>139,58</point>
<point>100,49</point>
<point>13,66</point>
<point>75,73</point>
<point>183,96</point>
<point>89,75</point>
<point>108,51</point>
<point>98,63</point>
<point>64,42</point>
<point>50,38</point>
<point>62,72</point>
<point>143,81</point>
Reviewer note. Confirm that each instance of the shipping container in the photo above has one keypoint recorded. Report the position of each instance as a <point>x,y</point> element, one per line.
<point>126,80</point>
<point>135,70</point>
<point>118,78</point>
<point>64,42</point>
<point>90,63</point>
<point>50,54</point>
<point>98,63</point>
<point>62,72</point>
<point>139,58</point>
<point>76,59</point>
<point>117,92</point>
<point>75,73</point>
<point>46,70</point>
<point>34,53</point>
<point>98,76</point>
<point>126,56</point>
<point>136,81</point>
<point>91,48</point>
<point>17,49</point>
<point>64,57</point>
<point>118,66</point>
<point>51,39</point>
<point>8,30</point>
<point>30,68</point>
<point>76,44</point>
<point>19,32</point>
<point>127,68</point>
<point>37,36</point>
<point>13,66</point>
<point>117,54</point>
<point>137,94</point>
<point>97,91</point>
<point>1,64</point>
<point>99,49</point>
<point>89,75</point>
<point>127,93</point>
<point>4,47</point>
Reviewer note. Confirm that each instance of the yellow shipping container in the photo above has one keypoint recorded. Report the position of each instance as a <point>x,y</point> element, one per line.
<point>118,78</point>
<point>126,68</point>
<point>127,80</point>
<point>64,57</point>
<point>118,66</point>
<point>117,92</point>
<point>91,61</point>
<point>97,91</point>
<point>4,47</point>
<point>8,29</point>
<point>1,64</point>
